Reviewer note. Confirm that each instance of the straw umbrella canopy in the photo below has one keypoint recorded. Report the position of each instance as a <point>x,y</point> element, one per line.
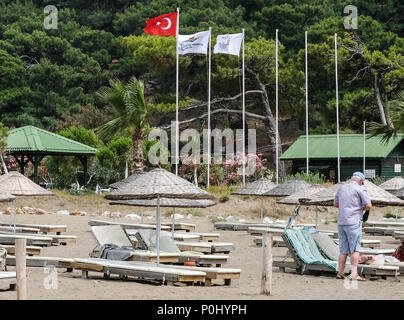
<point>6,197</point>
<point>157,184</point>
<point>393,184</point>
<point>257,188</point>
<point>166,202</point>
<point>288,188</point>
<point>400,193</point>
<point>19,185</point>
<point>377,195</point>
<point>123,182</point>
<point>302,196</point>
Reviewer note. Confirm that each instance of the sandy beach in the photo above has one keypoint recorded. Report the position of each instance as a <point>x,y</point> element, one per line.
<point>247,256</point>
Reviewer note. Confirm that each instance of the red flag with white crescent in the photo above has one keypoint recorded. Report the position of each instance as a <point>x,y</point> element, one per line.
<point>164,25</point>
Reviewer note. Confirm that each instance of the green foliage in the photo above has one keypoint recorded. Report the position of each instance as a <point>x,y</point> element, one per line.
<point>312,178</point>
<point>82,135</point>
<point>3,137</point>
<point>115,154</point>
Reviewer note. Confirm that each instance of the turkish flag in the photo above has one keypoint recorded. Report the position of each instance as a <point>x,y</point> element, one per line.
<point>164,25</point>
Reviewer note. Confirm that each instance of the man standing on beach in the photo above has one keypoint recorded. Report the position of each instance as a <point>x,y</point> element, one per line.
<point>351,199</point>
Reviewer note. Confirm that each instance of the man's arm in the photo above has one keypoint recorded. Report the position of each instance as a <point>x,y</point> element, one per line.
<point>367,206</point>
<point>336,204</point>
<point>366,200</point>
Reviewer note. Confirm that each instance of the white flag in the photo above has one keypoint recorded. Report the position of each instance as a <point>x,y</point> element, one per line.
<point>193,43</point>
<point>228,43</point>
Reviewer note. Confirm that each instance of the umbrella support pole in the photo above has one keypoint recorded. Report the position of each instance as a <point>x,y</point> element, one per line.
<point>262,210</point>
<point>316,217</point>
<point>158,231</point>
<point>396,212</point>
<point>172,225</point>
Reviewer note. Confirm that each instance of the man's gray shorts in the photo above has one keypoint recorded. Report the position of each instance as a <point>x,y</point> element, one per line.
<point>350,237</point>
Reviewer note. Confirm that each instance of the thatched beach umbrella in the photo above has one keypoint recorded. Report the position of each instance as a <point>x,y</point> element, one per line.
<point>19,185</point>
<point>6,197</point>
<point>393,184</point>
<point>157,184</point>
<point>399,193</point>
<point>377,195</point>
<point>125,181</point>
<point>288,188</point>
<point>165,202</point>
<point>302,196</point>
<point>257,188</point>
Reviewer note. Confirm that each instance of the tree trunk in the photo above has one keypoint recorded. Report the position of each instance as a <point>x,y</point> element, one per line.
<point>137,155</point>
<point>270,127</point>
<point>376,87</point>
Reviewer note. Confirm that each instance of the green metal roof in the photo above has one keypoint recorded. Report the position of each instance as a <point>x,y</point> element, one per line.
<point>30,139</point>
<point>351,146</point>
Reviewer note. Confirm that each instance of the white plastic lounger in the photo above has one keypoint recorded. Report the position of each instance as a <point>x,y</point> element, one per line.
<point>31,240</point>
<point>137,269</point>
<point>126,225</point>
<point>41,262</point>
<point>8,280</point>
<point>115,234</point>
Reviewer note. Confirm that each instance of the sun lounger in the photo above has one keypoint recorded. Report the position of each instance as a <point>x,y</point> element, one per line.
<point>215,273</point>
<point>115,235</point>
<point>41,262</point>
<point>31,250</point>
<point>125,225</point>
<point>139,270</point>
<point>243,226</point>
<point>31,240</point>
<point>382,231</point>
<point>42,227</point>
<point>371,244</point>
<point>169,245</point>
<point>56,239</point>
<point>399,235</point>
<point>383,223</point>
<point>331,250</point>
<point>19,229</point>
<point>307,257</point>
<point>8,280</point>
<point>277,241</point>
<point>180,226</point>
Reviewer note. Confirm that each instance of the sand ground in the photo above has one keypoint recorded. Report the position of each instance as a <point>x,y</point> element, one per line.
<point>247,255</point>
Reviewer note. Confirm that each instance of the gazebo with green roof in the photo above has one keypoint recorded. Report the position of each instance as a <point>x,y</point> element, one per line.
<point>385,160</point>
<point>34,144</point>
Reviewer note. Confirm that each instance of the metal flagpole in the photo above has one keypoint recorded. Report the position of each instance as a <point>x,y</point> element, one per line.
<point>307,107</point>
<point>276,104</point>
<point>209,56</point>
<point>336,102</point>
<point>364,146</point>
<point>158,228</point>
<point>243,72</point>
<point>176,95</point>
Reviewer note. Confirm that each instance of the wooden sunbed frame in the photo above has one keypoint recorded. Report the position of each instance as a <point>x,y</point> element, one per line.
<point>31,240</point>
<point>146,271</point>
<point>44,228</point>
<point>30,250</point>
<point>205,247</point>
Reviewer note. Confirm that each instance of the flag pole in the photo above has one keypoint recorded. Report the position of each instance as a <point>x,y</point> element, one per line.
<point>336,103</point>
<point>276,104</point>
<point>176,94</point>
<point>243,72</point>
<point>209,57</point>
<point>307,106</point>
<point>364,147</point>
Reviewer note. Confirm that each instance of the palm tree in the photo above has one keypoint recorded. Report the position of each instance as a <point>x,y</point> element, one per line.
<point>131,112</point>
<point>397,117</point>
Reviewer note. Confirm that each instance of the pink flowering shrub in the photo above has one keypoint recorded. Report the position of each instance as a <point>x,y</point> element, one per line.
<point>228,172</point>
